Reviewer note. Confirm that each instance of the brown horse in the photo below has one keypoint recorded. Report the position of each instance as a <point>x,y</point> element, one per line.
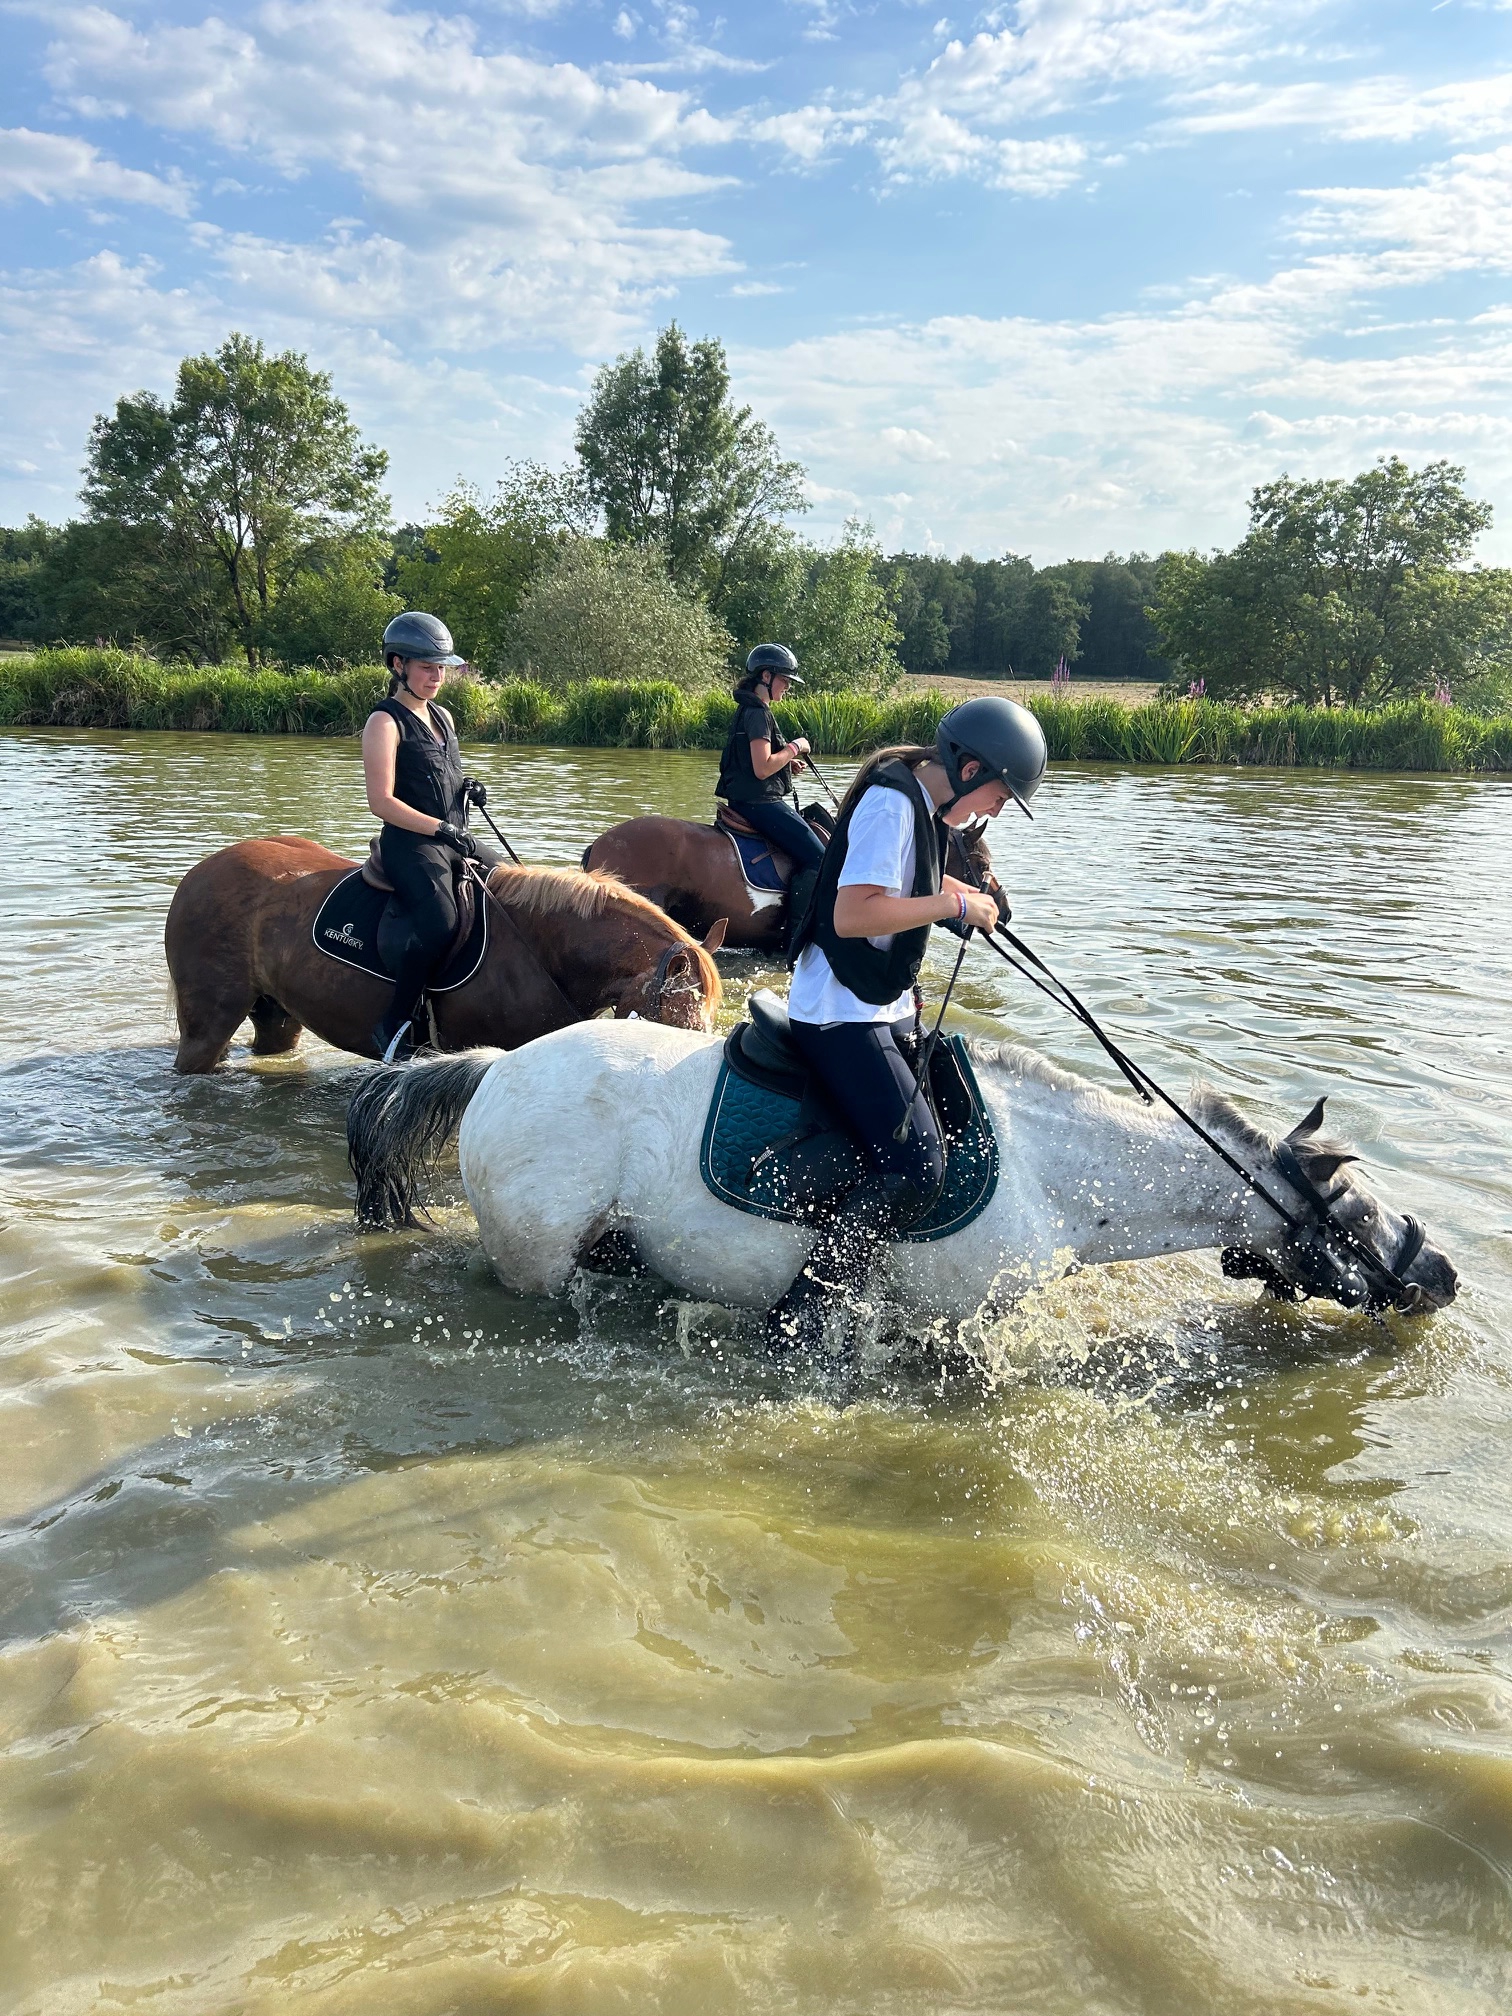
<point>694,874</point>
<point>562,946</point>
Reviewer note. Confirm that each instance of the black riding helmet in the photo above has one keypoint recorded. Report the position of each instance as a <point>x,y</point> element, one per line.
<point>416,635</point>
<point>1005,739</point>
<point>768,659</point>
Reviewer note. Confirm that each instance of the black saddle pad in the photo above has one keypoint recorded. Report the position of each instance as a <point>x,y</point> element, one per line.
<point>356,925</point>
<point>766,1151</point>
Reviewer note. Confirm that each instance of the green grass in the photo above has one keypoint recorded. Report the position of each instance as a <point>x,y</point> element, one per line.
<point>102,688</point>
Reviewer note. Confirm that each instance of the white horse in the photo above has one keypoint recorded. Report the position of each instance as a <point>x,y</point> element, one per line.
<point>595,1130</point>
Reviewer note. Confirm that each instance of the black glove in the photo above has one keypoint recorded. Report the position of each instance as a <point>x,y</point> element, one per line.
<point>460,842</point>
<point>474,792</point>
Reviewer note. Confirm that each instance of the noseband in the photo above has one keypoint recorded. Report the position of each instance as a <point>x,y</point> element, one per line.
<point>1336,1259</point>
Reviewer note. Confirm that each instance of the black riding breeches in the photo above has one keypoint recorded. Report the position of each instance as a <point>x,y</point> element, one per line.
<point>869,1081</point>
<point>781,825</point>
<point>421,872</point>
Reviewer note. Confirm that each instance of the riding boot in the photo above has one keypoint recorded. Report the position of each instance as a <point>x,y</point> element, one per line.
<point>800,896</point>
<point>840,1260</point>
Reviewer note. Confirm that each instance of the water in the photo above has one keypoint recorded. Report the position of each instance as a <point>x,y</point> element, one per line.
<point>374,1641</point>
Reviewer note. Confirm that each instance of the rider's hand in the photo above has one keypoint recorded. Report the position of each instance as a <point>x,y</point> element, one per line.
<point>801,744</point>
<point>459,842</point>
<point>475,792</point>
<point>981,911</point>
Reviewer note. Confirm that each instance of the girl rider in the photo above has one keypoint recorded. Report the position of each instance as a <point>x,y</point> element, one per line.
<point>757,769</point>
<point>880,888</point>
<point>415,786</point>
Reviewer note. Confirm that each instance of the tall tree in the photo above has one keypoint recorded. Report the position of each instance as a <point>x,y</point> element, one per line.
<point>1342,591</point>
<point>473,565</point>
<point>253,467</point>
<point>673,463</point>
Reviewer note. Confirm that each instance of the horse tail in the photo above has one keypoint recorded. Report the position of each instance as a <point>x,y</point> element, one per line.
<point>397,1124</point>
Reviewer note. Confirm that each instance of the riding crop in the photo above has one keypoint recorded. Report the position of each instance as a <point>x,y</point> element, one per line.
<point>822,781</point>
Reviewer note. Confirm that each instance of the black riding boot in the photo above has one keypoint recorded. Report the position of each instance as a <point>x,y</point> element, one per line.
<point>800,896</point>
<point>840,1260</point>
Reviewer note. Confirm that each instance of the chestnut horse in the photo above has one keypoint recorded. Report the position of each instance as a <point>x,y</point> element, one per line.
<point>562,946</point>
<point>694,874</point>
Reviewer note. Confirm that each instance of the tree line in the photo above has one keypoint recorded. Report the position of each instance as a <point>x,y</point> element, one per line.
<point>245,515</point>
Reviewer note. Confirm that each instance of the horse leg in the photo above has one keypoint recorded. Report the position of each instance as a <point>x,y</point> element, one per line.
<point>209,1015</point>
<point>275,1031</point>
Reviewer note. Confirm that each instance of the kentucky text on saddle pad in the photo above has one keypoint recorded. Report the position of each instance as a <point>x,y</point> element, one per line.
<point>346,928</point>
<point>745,1119</point>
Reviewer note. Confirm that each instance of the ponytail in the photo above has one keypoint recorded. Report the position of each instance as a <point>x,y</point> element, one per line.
<point>910,753</point>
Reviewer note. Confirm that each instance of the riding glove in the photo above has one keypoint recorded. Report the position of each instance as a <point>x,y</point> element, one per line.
<point>475,792</point>
<point>460,842</point>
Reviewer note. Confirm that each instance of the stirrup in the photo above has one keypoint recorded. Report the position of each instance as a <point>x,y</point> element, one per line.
<point>391,1054</point>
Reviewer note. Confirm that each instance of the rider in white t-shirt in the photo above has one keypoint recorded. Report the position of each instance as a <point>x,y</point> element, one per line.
<point>859,951</point>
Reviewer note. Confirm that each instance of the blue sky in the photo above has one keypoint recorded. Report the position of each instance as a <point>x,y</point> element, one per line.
<point>1062,277</point>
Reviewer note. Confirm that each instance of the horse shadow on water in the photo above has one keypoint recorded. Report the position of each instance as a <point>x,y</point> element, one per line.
<point>428,1358</point>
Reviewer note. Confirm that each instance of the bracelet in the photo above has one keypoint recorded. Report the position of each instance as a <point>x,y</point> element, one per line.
<point>960,906</point>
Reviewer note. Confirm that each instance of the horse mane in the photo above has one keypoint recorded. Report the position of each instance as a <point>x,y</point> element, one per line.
<point>587,894</point>
<point>1214,1109</point>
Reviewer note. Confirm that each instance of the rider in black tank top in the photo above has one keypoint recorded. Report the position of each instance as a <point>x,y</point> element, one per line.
<point>416,787</point>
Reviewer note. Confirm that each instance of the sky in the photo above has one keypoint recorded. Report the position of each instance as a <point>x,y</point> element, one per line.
<point>1058,278</point>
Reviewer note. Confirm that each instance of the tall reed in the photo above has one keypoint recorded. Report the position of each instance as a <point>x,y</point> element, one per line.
<point>107,688</point>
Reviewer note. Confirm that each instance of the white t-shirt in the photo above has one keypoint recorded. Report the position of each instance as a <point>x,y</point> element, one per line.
<point>880,852</point>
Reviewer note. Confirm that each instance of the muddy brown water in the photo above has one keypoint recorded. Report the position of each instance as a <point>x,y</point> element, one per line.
<point>374,1641</point>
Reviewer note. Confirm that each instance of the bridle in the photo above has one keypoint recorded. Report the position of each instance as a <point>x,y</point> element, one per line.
<point>1357,1266</point>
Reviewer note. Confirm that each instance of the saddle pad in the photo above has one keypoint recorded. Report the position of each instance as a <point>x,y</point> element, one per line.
<point>757,861</point>
<point>346,928</point>
<point>745,1118</point>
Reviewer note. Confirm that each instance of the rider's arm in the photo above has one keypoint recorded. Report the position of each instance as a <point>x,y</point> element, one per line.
<point>380,746</point>
<point>865,910</point>
<point>767,761</point>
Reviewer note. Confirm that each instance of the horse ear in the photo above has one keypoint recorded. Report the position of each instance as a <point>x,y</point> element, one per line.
<point>714,937</point>
<point>679,964</point>
<point>1310,1125</point>
<point>1323,1168</point>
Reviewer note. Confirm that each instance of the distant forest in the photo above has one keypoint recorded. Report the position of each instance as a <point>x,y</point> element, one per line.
<point>995,619</point>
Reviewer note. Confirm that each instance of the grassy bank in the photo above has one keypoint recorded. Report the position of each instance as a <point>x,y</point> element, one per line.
<point>115,689</point>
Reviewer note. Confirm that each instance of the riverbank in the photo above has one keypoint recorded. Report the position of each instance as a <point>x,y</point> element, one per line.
<point>104,688</point>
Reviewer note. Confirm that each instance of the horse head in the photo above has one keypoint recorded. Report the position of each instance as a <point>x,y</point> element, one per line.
<point>967,858</point>
<point>683,990</point>
<point>1347,1246</point>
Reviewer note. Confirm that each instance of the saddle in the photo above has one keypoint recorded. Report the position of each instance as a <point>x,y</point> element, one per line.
<point>767,869</point>
<point>360,925</point>
<point>773,1145</point>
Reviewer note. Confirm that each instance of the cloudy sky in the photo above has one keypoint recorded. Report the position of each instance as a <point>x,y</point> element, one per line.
<point>1058,277</point>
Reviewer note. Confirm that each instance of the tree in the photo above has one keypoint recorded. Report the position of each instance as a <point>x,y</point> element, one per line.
<point>610,612</point>
<point>23,554</point>
<point>1342,592</point>
<point>672,463</point>
<point>828,603</point>
<point>254,467</point>
<point>473,566</point>
<point>334,610</point>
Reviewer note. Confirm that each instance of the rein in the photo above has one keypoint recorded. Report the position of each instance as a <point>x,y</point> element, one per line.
<point>1376,1274</point>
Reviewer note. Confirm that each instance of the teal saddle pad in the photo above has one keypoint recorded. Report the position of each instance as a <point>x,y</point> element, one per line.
<point>745,1118</point>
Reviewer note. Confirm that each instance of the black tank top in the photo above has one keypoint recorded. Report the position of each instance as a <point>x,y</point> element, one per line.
<point>738,783</point>
<point>427,769</point>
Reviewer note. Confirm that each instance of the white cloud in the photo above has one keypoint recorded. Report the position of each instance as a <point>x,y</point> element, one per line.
<point>1454,217</point>
<point>1362,108</point>
<point>951,118</point>
<point>57,167</point>
<point>504,188</point>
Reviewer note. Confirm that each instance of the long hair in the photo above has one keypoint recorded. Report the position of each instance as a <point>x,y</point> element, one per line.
<point>911,753</point>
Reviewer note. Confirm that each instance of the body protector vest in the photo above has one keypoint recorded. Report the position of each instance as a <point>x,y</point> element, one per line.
<point>869,972</point>
<point>427,766</point>
<point>738,783</point>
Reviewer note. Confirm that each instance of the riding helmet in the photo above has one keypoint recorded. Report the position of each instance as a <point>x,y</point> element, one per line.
<point>767,659</point>
<point>416,635</point>
<point>1005,739</point>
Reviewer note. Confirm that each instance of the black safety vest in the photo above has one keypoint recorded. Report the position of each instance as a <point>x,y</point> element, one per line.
<point>874,975</point>
<point>738,783</point>
<point>427,770</point>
